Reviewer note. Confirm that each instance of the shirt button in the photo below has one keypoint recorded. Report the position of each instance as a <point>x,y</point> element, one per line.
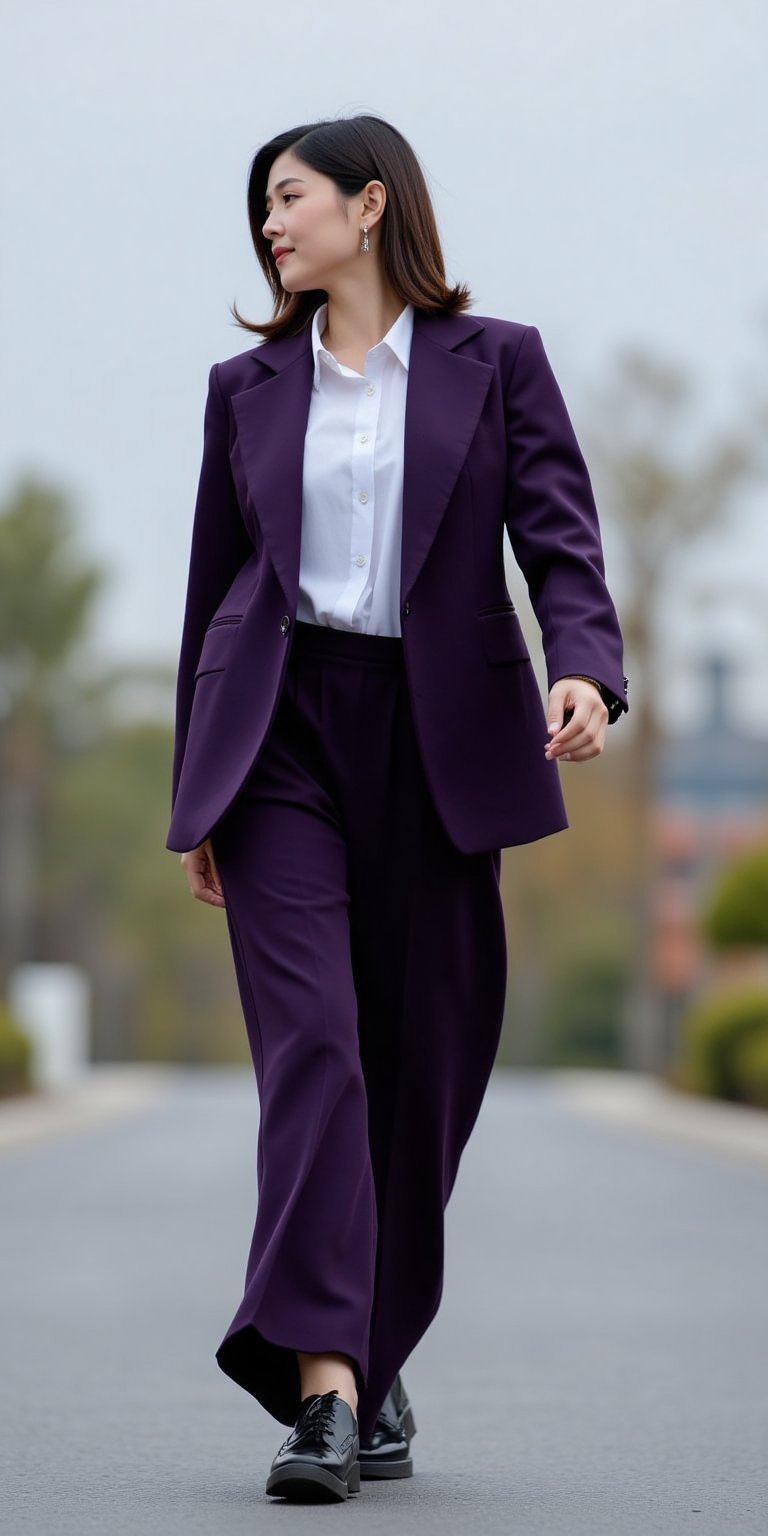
<point>371,390</point>
<point>363,496</point>
<point>363,437</point>
<point>359,559</point>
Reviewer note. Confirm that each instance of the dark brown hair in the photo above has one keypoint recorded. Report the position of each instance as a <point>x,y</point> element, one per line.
<point>354,151</point>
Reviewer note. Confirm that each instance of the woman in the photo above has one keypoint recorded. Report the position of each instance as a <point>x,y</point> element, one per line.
<point>359,733</point>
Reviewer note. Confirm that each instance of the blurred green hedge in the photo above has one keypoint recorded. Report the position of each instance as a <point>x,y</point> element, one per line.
<point>724,1046</point>
<point>736,912</point>
<point>15,1055</point>
<point>580,1021</point>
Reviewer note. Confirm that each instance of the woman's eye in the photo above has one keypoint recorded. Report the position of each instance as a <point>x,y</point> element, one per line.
<point>285,195</point>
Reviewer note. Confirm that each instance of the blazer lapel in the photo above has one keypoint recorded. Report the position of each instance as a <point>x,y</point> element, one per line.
<point>444,398</point>
<point>271,420</point>
<point>445,394</point>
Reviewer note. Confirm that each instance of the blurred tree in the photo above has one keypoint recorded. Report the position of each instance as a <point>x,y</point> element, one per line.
<point>159,963</point>
<point>566,902</point>
<point>46,594</point>
<point>84,802</point>
<point>660,496</point>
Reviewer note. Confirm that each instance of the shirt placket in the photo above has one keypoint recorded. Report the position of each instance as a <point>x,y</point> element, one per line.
<point>366,420</point>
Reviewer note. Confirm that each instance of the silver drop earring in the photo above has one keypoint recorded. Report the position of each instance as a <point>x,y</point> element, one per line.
<point>364,246</point>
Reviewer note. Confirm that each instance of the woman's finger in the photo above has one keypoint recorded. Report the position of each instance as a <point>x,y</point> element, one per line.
<point>202,875</point>
<point>591,747</point>
<point>587,715</point>
<point>215,876</point>
<point>579,732</point>
<point>583,738</point>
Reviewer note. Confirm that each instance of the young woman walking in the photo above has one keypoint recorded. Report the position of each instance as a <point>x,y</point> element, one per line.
<point>359,732</point>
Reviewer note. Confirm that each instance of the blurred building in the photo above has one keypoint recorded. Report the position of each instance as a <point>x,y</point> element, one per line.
<point>712,803</point>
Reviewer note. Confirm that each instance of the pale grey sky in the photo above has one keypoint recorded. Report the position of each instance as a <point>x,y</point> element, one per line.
<point>598,170</point>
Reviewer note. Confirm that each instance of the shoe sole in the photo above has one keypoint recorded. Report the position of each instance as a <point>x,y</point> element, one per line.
<point>312,1483</point>
<point>386,1468</point>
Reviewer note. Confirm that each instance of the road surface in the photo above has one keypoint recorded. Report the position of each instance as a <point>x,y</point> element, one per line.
<point>599,1362</point>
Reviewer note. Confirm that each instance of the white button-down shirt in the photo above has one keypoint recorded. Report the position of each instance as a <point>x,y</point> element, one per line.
<point>352,506</point>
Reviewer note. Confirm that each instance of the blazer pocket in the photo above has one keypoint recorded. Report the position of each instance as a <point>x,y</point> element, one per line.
<point>217,645</point>
<point>502,635</point>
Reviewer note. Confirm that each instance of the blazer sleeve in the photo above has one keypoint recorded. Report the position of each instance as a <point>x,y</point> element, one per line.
<point>220,546</point>
<point>552,522</point>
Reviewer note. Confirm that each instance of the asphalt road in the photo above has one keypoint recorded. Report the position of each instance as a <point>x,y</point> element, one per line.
<point>599,1362</point>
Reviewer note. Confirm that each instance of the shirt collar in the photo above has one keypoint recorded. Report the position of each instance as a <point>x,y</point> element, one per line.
<point>397,339</point>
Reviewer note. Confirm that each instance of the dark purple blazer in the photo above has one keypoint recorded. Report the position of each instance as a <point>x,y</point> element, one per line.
<point>488,442</point>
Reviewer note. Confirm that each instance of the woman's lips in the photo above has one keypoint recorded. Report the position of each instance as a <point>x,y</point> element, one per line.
<point>281,254</point>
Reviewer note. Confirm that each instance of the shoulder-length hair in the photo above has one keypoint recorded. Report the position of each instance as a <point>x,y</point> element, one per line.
<point>354,151</point>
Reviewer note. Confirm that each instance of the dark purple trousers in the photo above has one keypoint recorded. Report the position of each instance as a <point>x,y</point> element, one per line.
<point>371,962</point>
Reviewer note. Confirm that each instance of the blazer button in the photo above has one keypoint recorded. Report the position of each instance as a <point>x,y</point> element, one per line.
<point>285,623</point>
<point>405,610</point>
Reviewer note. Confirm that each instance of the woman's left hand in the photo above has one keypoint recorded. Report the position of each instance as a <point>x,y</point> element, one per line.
<point>584,734</point>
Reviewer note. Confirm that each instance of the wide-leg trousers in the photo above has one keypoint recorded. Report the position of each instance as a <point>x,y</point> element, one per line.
<point>371,963</point>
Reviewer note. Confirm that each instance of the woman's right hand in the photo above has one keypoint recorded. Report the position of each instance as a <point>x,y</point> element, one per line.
<point>201,872</point>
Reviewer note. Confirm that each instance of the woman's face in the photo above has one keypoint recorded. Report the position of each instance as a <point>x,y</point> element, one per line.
<point>306,216</point>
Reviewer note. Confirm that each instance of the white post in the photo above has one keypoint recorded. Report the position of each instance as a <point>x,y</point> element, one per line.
<point>51,1003</point>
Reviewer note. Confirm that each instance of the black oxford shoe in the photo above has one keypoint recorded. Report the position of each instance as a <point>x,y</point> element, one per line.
<point>387,1452</point>
<point>319,1458</point>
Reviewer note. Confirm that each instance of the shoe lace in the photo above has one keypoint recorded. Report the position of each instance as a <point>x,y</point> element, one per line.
<point>320,1413</point>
